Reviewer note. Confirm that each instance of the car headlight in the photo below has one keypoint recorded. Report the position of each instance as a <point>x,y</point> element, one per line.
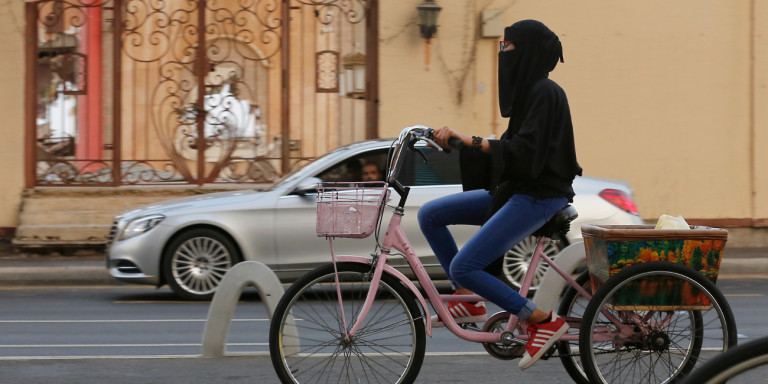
<point>138,226</point>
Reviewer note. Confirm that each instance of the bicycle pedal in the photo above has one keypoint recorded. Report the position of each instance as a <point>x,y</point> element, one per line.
<point>551,351</point>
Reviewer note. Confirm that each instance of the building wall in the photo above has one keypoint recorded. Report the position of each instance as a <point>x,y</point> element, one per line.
<point>759,112</point>
<point>12,42</point>
<point>662,94</point>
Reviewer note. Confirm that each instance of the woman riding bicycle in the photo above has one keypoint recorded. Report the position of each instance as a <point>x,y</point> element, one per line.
<point>512,186</point>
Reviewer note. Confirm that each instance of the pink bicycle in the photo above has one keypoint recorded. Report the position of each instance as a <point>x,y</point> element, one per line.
<point>357,319</point>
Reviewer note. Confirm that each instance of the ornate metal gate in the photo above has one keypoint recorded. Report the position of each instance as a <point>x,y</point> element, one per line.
<point>195,91</point>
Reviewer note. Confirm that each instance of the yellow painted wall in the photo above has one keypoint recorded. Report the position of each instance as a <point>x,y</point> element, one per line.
<point>660,92</point>
<point>666,95</point>
<point>12,42</point>
<point>760,112</point>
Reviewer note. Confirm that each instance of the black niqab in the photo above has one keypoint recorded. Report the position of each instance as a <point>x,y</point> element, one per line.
<point>537,50</point>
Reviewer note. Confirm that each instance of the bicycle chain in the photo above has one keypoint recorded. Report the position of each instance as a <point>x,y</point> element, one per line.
<point>578,354</point>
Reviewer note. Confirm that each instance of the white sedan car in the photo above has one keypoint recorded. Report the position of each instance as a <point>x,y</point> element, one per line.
<point>190,243</point>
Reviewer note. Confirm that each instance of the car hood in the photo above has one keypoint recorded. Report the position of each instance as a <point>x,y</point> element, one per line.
<point>198,202</point>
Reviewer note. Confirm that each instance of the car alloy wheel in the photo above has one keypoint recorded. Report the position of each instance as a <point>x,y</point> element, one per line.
<point>517,259</point>
<point>196,261</point>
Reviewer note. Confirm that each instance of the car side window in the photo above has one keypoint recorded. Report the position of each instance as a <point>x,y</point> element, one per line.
<point>358,168</point>
<point>440,168</point>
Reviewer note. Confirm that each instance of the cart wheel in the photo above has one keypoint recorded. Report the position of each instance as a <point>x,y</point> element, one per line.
<point>650,323</point>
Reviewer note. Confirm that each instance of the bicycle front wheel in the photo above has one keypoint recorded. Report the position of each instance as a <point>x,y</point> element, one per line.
<point>651,323</point>
<point>308,342</point>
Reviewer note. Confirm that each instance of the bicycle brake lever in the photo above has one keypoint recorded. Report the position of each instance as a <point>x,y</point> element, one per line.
<point>412,147</point>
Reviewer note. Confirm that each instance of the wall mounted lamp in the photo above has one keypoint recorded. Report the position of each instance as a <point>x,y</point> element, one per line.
<point>428,11</point>
<point>354,75</point>
<point>428,18</point>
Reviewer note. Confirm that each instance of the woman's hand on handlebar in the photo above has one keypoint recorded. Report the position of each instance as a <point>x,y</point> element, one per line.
<point>444,134</point>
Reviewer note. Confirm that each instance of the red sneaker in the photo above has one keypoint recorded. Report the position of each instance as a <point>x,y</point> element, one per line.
<point>541,338</point>
<point>463,312</point>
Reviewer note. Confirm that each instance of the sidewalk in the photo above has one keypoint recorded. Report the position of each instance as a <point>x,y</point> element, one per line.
<point>88,267</point>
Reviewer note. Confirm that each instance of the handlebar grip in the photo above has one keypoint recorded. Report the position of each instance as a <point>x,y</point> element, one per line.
<point>456,142</point>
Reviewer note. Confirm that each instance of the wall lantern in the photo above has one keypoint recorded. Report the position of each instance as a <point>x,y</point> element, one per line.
<point>354,75</point>
<point>428,18</point>
<point>428,24</point>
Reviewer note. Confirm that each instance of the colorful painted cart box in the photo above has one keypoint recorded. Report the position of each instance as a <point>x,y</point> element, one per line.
<point>612,248</point>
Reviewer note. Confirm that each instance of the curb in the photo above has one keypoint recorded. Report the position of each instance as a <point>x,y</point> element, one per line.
<point>45,276</point>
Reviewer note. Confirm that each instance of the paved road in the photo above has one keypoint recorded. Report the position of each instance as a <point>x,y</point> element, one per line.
<point>130,334</point>
<point>39,345</point>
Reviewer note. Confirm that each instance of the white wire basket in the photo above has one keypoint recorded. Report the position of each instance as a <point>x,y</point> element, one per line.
<point>349,209</point>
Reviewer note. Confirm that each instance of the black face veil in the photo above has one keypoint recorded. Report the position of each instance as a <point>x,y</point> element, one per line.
<point>537,50</point>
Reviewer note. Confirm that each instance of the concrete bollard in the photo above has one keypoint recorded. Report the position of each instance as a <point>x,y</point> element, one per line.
<point>227,295</point>
<point>552,284</point>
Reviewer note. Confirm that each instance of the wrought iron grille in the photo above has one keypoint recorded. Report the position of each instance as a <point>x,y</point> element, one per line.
<point>132,92</point>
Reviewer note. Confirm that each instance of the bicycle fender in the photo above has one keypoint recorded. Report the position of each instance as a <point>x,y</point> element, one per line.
<point>398,275</point>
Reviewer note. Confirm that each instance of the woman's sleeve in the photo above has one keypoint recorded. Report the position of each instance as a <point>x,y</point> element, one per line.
<point>476,169</point>
<point>524,154</point>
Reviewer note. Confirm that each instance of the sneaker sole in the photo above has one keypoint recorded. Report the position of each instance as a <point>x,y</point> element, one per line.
<point>554,339</point>
<point>460,320</point>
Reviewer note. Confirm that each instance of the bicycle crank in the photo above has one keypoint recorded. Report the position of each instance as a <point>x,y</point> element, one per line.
<point>510,347</point>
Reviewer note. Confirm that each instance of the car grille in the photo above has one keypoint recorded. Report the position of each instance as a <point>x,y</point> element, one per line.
<point>112,233</point>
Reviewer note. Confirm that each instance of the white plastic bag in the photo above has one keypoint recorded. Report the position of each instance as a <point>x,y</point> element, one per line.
<point>671,222</point>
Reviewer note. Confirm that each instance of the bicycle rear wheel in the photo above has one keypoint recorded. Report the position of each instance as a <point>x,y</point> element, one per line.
<point>307,339</point>
<point>654,340</point>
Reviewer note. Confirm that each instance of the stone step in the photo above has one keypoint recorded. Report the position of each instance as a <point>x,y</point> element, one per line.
<point>42,218</point>
<point>62,234</point>
<point>115,204</point>
<point>54,217</point>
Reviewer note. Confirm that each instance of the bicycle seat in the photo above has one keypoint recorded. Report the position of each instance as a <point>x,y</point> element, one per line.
<point>559,224</point>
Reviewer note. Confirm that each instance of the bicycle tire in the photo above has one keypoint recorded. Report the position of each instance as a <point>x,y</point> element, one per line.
<point>728,366</point>
<point>665,343</point>
<point>573,305</point>
<point>388,347</point>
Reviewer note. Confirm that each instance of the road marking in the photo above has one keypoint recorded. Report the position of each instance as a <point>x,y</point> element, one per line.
<point>126,321</point>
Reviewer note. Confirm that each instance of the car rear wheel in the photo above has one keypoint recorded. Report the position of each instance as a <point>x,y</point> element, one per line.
<point>195,262</point>
<point>516,260</point>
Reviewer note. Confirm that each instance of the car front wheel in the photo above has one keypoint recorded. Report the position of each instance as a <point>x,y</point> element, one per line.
<point>516,261</point>
<point>195,262</point>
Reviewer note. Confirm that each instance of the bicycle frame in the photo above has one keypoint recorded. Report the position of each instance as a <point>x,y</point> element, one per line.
<point>395,238</point>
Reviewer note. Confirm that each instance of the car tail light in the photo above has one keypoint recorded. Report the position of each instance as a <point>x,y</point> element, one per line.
<point>620,199</point>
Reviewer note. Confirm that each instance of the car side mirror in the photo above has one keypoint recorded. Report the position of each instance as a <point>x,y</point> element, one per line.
<point>306,186</point>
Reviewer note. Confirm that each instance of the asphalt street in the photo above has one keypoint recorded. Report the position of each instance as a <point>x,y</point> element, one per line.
<point>84,269</point>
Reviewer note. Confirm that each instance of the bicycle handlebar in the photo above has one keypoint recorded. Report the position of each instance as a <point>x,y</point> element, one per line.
<point>456,143</point>
<point>407,139</point>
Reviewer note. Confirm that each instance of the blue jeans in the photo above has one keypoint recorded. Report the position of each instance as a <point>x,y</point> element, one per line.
<point>517,219</point>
